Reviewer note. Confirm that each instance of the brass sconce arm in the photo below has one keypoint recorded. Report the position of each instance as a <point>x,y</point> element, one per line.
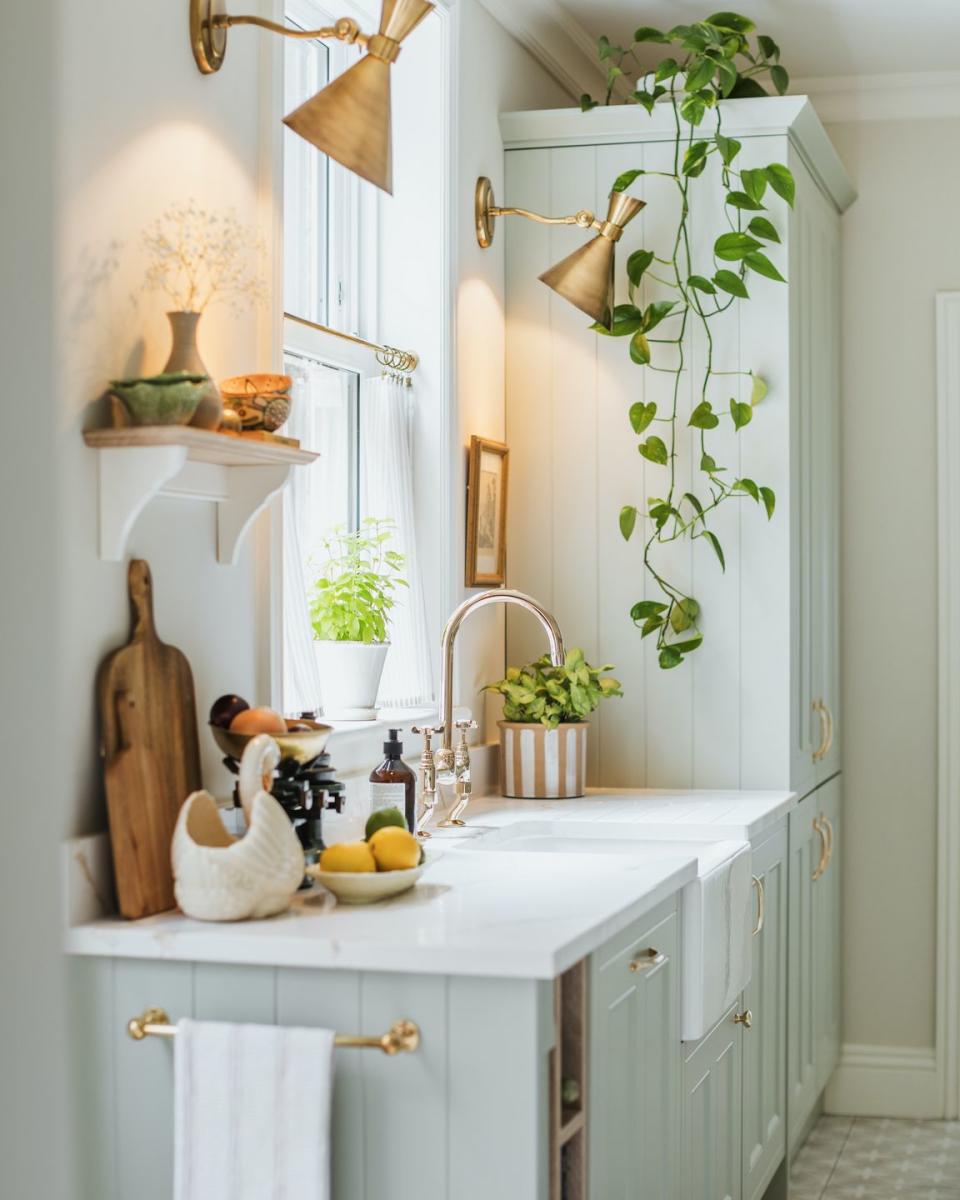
<point>584,218</point>
<point>345,30</point>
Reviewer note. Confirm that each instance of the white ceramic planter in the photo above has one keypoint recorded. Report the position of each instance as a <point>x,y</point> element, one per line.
<point>350,678</point>
<point>543,764</point>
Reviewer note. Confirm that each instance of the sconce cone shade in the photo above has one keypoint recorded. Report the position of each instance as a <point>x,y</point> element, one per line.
<point>585,277</point>
<point>350,118</point>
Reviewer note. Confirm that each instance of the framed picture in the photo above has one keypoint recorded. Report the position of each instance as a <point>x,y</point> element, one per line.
<point>486,513</point>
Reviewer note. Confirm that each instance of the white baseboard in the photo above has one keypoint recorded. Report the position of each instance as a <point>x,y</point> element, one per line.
<point>885,1081</point>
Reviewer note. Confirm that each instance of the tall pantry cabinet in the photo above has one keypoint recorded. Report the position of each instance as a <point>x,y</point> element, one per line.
<point>758,704</point>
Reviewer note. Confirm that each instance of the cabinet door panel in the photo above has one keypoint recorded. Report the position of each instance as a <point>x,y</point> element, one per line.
<point>764,1057</point>
<point>711,1130</point>
<point>826,924</point>
<point>805,849</point>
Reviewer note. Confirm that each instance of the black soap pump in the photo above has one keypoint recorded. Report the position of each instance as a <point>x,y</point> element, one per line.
<point>393,784</point>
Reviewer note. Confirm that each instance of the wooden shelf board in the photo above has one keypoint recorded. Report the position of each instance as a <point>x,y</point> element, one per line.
<point>201,445</point>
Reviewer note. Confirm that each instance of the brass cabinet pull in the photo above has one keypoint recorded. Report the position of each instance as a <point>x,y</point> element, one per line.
<point>829,746</point>
<point>820,709</point>
<point>647,960</point>
<point>745,1018</point>
<point>822,863</point>
<point>761,903</point>
<point>829,824</point>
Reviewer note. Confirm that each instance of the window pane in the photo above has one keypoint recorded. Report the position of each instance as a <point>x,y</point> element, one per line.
<point>306,189</point>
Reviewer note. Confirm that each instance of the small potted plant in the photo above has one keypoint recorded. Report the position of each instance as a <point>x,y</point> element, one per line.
<point>543,736</point>
<point>350,604</point>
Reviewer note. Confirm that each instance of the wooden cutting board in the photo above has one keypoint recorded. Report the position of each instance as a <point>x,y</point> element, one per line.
<point>151,752</point>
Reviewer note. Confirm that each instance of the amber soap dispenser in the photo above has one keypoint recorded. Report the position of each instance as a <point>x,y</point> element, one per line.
<point>393,784</point>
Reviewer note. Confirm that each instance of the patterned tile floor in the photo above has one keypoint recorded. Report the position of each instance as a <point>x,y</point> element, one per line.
<point>865,1158</point>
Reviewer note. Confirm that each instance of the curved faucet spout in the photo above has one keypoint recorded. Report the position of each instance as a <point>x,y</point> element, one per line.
<point>444,757</point>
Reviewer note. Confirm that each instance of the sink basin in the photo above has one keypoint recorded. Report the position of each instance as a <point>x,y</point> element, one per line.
<point>716,908</point>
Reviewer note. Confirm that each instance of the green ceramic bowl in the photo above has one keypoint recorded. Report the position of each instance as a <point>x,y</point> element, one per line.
<point>161,399</point>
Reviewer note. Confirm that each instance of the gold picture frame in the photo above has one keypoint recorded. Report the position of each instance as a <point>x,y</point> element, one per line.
<point>487,474</point>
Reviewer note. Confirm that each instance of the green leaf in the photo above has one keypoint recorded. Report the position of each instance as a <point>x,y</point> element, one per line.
<point>646,608</point>
<point>729,148</point>
<point>728,75</point>
<point>782,182</point>
<point>693,109</point>
<point>717,548</point>
<point>655,313</point>
<point>670,657</point>
<point>639,349</point>
<point>742,414</point>
<point>641,415</point>
<point>627,318</point>
<point>628,521</point>
<point>650,626</point>
<point>654,450</point>
<point>605,49</point>
<point>762,265</point>
<point>769,501</point>
<point>733,246</point>
<point>701,284</point>
<point>646,33</point>
<point>666,69</point>
<point>694,503</point>
<point>768,47</point>
<point>731,282</point>
<point>623,181</point>
<point>688,647</point>
<point>764,228</point>
<point>709,464</point>
<point>637,264</point>
<point>731,20</point>
<point>694,158</point>
<point>754,182</point>
<point>747,89</point>
<point>759,389</point>
<point>781,80</point>
<point>699,75</point>
<point>748,486</point>
<point>703,416</point>
<point>683,614</point>
<point>587,102</point>
<point>742,200</point>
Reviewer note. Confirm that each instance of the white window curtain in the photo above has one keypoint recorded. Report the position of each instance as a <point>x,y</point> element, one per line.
<point>386,424</point>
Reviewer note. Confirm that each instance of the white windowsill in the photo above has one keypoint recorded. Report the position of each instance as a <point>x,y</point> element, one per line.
<point>358,745</point>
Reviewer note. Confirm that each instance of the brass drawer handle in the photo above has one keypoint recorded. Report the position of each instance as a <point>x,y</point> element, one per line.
<point>829,824</point>
<point>761,904</point>
<point>829,746</point>
<point>745,1018</point>
<point>822,863</point>
<point>647,960</point>
<point>820,709</point>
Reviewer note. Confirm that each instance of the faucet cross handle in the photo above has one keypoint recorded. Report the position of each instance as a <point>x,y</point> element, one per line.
<point>466,725</point>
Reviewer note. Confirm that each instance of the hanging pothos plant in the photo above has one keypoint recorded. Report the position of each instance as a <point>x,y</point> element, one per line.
<point>711,61</point>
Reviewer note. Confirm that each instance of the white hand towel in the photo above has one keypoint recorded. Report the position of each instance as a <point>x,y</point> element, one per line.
<point>252,1112</point>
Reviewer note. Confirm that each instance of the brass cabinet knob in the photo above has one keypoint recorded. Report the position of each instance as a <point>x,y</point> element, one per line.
<point>745,1018</point>
<point>647,959</point>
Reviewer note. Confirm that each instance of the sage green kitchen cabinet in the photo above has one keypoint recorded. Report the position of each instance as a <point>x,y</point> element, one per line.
<point>764,1043</point>
<point>813,965</point>
<point>635,1069</point>
<point>710,1160</point>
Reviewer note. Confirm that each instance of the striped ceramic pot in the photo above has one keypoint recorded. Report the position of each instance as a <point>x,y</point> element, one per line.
<point>543,764</point>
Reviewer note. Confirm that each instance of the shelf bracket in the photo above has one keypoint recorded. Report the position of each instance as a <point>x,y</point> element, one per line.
<point>129,479</point>
<point>249,492</point>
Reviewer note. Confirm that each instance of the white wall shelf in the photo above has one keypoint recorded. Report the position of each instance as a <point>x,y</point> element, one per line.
<point>240,475</point>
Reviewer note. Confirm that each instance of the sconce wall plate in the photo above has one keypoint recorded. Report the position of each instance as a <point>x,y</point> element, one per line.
<point>586,277</point>
<point>208,34</point>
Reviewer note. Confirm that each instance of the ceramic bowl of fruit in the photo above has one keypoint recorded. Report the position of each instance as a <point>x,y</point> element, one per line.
<point>233,723</point>
<point>387,862</point>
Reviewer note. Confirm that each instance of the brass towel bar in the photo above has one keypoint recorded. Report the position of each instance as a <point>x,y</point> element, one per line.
<point>403,1037</point>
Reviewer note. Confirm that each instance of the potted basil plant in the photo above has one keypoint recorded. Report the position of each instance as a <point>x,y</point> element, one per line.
<point>543,734</point>
<point>350,604</point>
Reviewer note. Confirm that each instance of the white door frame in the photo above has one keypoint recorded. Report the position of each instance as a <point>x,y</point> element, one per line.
<point>948,657</point>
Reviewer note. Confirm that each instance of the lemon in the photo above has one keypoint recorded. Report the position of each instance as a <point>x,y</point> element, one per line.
<point>395,849</point>
<point>348,856</point>
<point>383,817</point>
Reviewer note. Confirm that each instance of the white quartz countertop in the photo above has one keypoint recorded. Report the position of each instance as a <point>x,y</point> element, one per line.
<point>492,913</point>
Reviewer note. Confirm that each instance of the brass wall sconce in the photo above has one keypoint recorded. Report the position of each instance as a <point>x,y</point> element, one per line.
<point>585,277</point>
<point>349,119</point>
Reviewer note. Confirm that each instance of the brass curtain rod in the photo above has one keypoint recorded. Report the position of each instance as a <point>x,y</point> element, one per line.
<point>387,356</point>
<point>403,1037</point>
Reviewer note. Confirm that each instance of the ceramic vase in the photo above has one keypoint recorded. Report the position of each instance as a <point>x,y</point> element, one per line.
<point>185,356</point>
<point>350,678</point>
<point>537,763</point>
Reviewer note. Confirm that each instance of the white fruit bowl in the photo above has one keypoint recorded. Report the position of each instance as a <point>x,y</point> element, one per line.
<point>367,887</point>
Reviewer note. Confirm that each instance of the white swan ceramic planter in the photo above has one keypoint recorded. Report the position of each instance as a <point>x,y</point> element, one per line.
<point>221,878</point>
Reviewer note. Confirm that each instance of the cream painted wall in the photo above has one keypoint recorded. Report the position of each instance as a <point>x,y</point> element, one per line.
<point>496,75</point>
<point>898,251</point>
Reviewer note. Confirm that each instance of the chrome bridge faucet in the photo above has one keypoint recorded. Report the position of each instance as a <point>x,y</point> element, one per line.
<point>447,765</point>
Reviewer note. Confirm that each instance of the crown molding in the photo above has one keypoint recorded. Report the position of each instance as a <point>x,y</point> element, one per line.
<point>903,97</point>
<point>555,39</point>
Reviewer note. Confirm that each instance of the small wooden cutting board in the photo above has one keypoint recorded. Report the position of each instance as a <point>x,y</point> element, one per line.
<point>151,752</point>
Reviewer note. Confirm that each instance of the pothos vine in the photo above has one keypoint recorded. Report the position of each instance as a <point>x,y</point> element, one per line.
<point>713,60</point>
